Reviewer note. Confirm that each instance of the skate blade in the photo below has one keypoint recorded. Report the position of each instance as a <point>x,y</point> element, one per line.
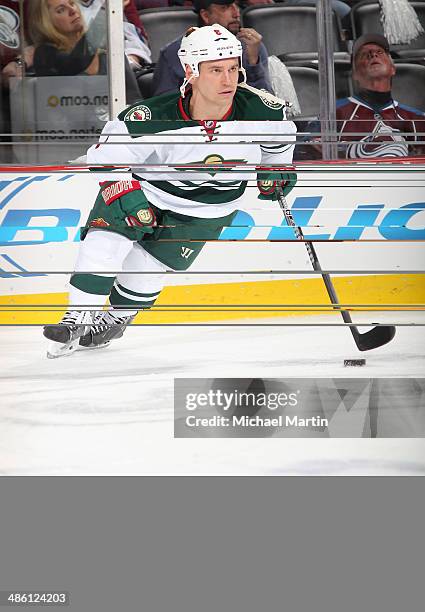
<point>56,349</point>
<point>92,347</point>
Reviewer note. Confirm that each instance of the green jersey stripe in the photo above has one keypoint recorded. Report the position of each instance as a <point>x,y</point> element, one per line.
<point>205,195</point>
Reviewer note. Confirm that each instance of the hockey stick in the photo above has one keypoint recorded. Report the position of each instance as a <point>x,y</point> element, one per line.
<point>371,339</point>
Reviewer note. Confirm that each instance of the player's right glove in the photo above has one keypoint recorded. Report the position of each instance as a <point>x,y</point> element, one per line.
<point>121,207</point>
<point>268,180</point>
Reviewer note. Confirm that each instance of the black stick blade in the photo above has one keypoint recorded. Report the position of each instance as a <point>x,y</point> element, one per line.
<point>378,336</point>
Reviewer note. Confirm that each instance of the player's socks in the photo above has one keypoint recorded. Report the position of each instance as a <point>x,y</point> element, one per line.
<point>108,325</point>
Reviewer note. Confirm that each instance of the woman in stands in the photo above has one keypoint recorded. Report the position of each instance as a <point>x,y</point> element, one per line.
<point>61,45</point>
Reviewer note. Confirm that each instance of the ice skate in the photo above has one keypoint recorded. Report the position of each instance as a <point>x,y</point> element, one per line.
<point>108,326</point>
<point>65,336</point>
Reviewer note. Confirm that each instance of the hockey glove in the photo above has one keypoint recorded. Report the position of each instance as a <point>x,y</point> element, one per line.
<point>267,181</point>
<point>130,204</point>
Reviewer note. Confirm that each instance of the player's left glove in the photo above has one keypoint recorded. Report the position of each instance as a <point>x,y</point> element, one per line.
<point>268,180</point>
<point>127,200</point>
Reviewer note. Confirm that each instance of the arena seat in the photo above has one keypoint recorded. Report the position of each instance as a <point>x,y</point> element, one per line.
<point>366,18</point>
<point>405,88</point>
<point>289,29</point>
<point>409,85</point>
<point>343,87</point>
<point>146,4</point>
<point>306,83</point>
<point>145,83</point>
<point>164,25</point>
<point>132,93</point>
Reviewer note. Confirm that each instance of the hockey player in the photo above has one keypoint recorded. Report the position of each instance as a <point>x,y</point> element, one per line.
<point>185,186</point>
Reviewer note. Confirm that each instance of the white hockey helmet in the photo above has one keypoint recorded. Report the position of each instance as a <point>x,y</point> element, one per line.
<point>206,44</point>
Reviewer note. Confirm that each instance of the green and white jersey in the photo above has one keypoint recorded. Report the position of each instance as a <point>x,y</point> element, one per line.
<point>168,150</point>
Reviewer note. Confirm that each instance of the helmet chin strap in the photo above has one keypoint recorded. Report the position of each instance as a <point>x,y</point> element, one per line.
<point>185,83</point>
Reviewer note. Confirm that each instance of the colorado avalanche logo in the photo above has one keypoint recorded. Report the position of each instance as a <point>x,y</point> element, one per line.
<point>384,141</point>
<point>9,25</point>
<point>139,113</point>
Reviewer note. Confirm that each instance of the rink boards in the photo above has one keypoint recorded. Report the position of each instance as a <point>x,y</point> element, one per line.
<point>367,221</point>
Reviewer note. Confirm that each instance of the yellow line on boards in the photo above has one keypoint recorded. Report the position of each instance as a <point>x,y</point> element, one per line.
<point>250,300</point>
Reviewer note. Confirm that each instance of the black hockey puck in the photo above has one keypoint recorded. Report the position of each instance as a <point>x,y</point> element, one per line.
<point>354,362</point>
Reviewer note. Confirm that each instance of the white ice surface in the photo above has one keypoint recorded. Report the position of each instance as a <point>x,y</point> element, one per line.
<point>110,412</point>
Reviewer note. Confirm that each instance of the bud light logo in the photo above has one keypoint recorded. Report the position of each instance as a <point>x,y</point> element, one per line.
<point>35,223</point>
<point>402,223</point>
<point>28,216</point>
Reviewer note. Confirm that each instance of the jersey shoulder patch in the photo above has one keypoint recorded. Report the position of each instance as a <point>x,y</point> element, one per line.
<point>158,108</point>
<point>256,107</point>
<point>139,112</point>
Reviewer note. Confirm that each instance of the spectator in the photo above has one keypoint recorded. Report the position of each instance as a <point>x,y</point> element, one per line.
<point>342,9</point>
<point>169,75</point>
<point>377,125</point>
<point>61,45</point>
<point>132,16</point>
<point>11,34</point>
<point>135,37</point>
<point>245,3</point>
<point>148,4</point>
<point>9,31</point>
<point>136,44</point>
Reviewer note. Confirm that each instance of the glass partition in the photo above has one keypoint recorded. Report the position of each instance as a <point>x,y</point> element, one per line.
<point>54,79</point>
<point>55,91</point>
<point>375,117</point>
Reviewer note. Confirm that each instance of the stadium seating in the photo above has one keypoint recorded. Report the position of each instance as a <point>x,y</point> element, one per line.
<point>366,17</point>
<point>409,85</point>
<point>405,87</point>
<point>146,4</point>
<point>132,93</point>
<point>343,87</point>
<point>145,83</point>
<point>306,83</point>
<point>288,30</point>
<point>164,25</point>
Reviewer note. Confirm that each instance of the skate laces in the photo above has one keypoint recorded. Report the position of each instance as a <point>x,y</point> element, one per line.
<point>105,320</point>
<point>76,317</point>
